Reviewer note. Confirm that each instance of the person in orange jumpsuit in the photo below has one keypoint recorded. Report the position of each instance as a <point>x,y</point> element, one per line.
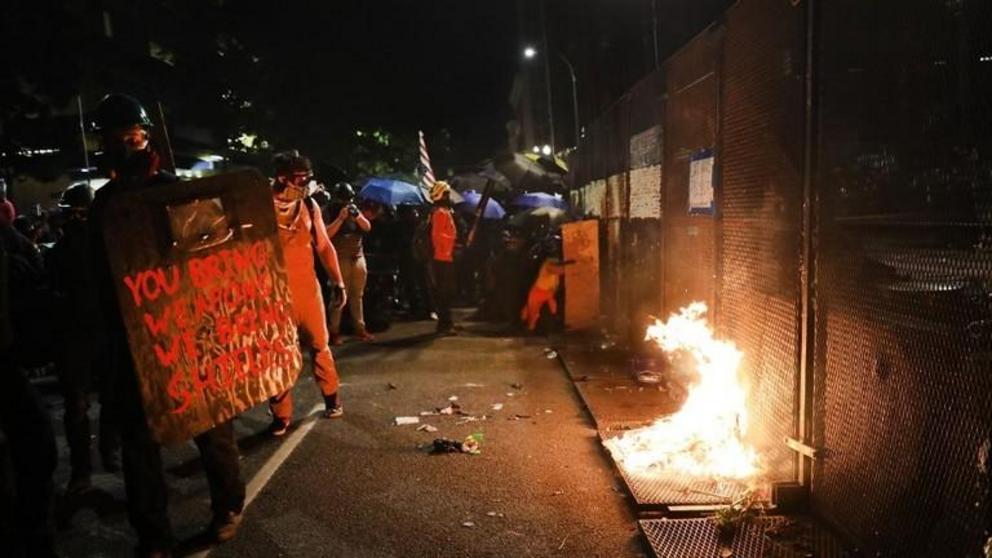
<point>545,288</point>
<point>444,233</point>
<point>301,233</point>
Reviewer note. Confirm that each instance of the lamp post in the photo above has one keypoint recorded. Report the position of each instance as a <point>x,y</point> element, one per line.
<point>531,52</point>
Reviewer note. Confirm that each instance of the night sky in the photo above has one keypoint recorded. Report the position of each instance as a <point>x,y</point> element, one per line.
<point>335,66</point>
<point>315,71</point>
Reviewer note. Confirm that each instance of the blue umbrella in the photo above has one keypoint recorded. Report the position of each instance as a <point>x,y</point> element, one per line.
<point>392,192</point>
<point>470,201</point>
<point>539,199</point>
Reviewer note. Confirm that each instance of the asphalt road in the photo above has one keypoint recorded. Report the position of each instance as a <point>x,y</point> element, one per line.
<point>361,486</point>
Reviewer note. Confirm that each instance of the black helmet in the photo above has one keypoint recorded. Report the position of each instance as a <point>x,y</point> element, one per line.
<point>118,111</point>
<point>77,196</point>
<point>343,192</point>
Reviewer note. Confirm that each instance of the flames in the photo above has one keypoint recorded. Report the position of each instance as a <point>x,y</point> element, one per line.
<point>706,437</point>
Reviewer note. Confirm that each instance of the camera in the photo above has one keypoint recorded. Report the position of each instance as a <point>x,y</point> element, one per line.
<point>352,210</point>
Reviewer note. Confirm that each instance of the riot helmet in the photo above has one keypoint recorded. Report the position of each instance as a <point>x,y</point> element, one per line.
<point>342,193</point>
<point>79,196</point>
<point>118,111</point>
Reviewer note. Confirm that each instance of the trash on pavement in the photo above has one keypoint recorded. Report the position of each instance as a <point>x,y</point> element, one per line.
<point>391,385</point>
<point>551,354</point>
<point>453,398</point>
<point>426,428</point>
<point>497,406</point>
<point>451,409</point>
<point>470,445</point>
<point>509,394</point>
<point>400,421</point>
<point>517,385</point>
<point>519,417</point>
<point>547,411</point>
<point>468,524</point>
<point>495,514</point>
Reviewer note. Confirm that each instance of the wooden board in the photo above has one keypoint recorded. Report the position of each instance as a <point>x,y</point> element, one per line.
<point>580,242</point>
<point>199,276</point>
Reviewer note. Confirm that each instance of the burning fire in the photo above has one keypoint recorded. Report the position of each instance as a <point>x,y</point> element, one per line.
<point>705,437</point>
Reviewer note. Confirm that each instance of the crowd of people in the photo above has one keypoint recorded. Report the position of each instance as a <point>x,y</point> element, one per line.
<point>60,310</point>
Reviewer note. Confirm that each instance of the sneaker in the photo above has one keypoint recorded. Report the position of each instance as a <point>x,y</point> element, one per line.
<point>334,412</point>
<point>225,525</point>
<point>278,428</point>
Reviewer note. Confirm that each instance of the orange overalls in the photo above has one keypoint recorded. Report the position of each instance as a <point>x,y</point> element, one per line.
<point>297,240</point>
<point>541,293</point>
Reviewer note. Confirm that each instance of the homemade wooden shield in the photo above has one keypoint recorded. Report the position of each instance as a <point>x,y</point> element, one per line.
<point>580,242</point>
<point>202,288</point>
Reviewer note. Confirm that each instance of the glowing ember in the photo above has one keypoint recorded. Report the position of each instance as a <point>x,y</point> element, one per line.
<point>705,437</point>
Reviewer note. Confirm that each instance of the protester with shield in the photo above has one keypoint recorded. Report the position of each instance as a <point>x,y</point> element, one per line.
<point>301,233</point>
<point>132,163</point>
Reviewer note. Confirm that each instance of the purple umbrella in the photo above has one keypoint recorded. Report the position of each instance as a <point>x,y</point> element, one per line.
<point>539,199</point>
<point>470,201</point>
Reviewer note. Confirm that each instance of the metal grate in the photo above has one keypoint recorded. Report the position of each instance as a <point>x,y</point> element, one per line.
<point>763,537</point>
<point>676,489</point>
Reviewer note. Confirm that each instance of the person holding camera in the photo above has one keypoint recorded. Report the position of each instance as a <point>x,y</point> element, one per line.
<point>346,232</point>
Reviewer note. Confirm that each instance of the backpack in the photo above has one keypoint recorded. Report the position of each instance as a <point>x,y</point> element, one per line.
<point>423,245</point>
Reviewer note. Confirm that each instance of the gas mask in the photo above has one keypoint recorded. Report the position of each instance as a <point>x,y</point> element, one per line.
<point>295,187</point>
<point>130,155</point>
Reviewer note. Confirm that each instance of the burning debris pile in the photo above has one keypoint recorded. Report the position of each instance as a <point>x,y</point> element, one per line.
<point>705,437</point>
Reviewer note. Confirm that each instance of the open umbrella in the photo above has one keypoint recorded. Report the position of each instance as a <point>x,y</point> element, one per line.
<point>392,192</point>
<point>539,199</point>
<point>551,164</point>
<point>525,174</point>
<point>470,201</point>
<point>477,180</point>
<point>539,216</point>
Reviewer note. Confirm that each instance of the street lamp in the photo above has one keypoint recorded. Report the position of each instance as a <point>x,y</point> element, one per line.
<point>531,52</point>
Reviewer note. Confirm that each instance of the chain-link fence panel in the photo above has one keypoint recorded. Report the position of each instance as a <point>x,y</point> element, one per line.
<point>904,330</point>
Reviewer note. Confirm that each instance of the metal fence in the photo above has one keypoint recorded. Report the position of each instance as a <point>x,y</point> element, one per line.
<point>904,280</point>
<point>847,251</point>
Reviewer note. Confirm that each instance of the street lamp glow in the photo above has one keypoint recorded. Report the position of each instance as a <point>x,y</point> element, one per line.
<point>530,52</point>
<point>546,150</point>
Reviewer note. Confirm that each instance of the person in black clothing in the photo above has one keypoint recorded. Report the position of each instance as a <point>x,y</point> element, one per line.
<point>81,345</point>
<point>27,446</point>
<point>413,279</point>
<point>132,163</point>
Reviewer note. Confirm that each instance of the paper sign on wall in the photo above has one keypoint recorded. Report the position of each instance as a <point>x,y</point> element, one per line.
<point>701,182</point>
